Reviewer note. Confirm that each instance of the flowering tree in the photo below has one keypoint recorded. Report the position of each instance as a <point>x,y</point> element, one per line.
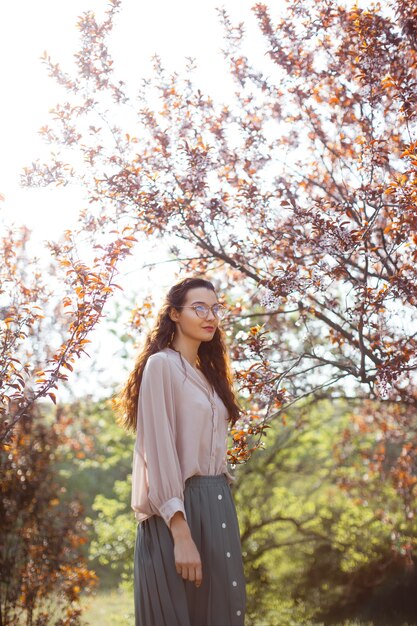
<point>43,327</point>
<point>34,314</point>
<point>302,189</point>
<point>42,569</point>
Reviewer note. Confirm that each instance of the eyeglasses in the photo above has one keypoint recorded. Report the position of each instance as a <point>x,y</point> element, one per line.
<point>202,310</point>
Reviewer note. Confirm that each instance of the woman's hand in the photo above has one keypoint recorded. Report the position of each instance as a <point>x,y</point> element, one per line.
<point>187,557</point>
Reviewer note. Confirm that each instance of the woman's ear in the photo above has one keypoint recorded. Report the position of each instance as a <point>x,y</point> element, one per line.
<point>173,314</point>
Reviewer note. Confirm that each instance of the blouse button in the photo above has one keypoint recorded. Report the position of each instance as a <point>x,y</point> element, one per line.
<point>220,496</point>
<point>224,525</point>
<point>228,555</point>
<point>238,612</point>
<point>234,583</point>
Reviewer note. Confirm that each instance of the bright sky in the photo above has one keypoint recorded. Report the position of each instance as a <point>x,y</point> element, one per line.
<point>174,30</point>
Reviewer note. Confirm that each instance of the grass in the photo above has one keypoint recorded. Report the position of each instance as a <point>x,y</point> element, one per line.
<point>108,608</point>
<point>116,608</point>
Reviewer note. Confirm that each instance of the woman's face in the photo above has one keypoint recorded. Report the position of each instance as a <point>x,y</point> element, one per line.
<point>187,320</point>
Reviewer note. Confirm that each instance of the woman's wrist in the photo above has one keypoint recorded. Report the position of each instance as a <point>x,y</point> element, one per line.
<point>178,526</point>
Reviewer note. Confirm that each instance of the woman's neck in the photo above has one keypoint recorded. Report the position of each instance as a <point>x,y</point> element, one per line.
<point>189,352</point>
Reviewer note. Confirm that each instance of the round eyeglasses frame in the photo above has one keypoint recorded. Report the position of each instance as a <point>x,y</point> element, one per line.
<point>202,310</point>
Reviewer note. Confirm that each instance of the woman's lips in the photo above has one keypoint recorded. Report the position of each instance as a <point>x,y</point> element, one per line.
<point>209,328</point>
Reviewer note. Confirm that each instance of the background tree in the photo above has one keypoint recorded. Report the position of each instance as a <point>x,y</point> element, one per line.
<point>100,478</point>
<point>36,312</point>
<point>43,570</point>
<point>43,327</point>
<point>317,556</point>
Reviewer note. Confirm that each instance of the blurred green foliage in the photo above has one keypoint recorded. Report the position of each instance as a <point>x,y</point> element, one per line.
<point>314,553</point>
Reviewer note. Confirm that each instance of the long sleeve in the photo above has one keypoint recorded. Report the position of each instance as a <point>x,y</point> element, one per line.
<point>156,465</point>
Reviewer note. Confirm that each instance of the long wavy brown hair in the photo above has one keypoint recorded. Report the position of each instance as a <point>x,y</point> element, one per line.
<point>212,358</point>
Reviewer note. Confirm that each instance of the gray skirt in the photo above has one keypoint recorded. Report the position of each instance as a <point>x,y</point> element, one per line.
<point>161,596</point>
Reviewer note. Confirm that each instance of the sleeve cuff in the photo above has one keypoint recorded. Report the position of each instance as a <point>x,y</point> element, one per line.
<point>170,507</point>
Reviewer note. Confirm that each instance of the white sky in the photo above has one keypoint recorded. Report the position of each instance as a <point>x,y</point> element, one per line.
<point>173,29</point>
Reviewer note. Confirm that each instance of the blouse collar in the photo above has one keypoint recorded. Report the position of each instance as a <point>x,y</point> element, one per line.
<point>197,375</point>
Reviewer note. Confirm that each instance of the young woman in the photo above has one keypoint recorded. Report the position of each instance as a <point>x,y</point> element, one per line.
<point>188,568</point>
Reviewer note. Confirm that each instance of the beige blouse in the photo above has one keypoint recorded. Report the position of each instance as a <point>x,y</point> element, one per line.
<point>181,431</point>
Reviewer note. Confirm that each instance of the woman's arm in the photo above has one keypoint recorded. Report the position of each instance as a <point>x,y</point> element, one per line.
<point>187,557</point>
<point>156,444</point>
<point>156,463</point>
